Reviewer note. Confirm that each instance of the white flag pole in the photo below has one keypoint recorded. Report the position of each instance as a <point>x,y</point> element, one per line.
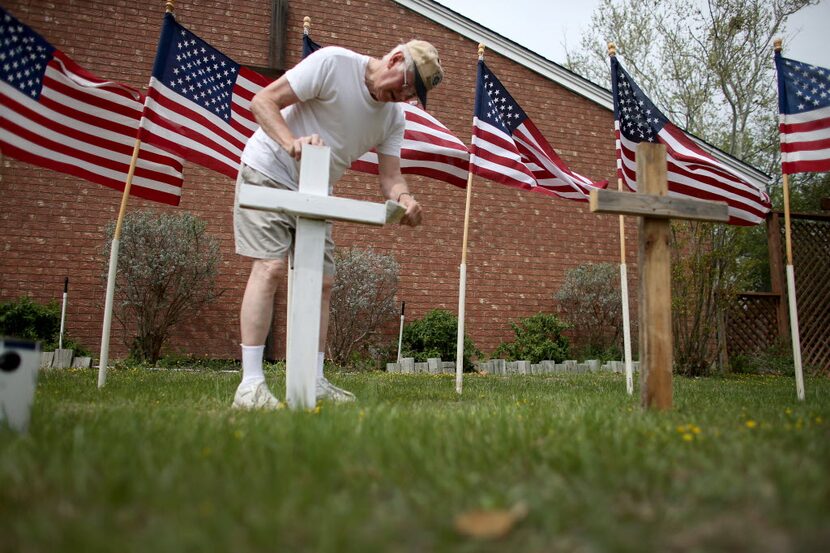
<point>462,293</point>
<point>116,239</point>
<point>462,277</point>
<point>63,311</point>
<point>794,332</point>
<point>400,332</point>
<point>114,247</point>
<point>629,372</point>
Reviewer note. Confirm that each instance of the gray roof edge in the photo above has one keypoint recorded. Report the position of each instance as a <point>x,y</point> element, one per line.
<point>601,96</point>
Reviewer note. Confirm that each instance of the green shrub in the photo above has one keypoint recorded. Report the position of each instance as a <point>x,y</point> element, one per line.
<point>436,335</point>
<point>362,302</point>
<point>775,359</point>
<point>28,320</point>
<point>167,269</point>
<point>590,300</point>
<point>25,319</point>
<point>538,338</point>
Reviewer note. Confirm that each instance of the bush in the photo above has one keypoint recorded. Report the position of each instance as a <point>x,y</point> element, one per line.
<point>774,359</point>
<point>362,302</point>
<point>167,269</point>
<point>27,320</point>
<point>591,302</point>
<point>436,335</point>
<point>538,338</point>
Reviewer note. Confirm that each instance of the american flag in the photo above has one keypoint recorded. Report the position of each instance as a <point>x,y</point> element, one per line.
<point>199,102</point>
<point>309,45</point>
<point>804,116</point>
<point>691,171</point>
<point>57,115</point>
<point>509,149</point>
<point>429,148</point>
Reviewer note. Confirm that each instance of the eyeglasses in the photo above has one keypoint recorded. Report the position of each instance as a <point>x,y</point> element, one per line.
<point>407,90</point>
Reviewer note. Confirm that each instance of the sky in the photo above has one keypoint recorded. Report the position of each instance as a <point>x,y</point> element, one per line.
<point>545,26</point>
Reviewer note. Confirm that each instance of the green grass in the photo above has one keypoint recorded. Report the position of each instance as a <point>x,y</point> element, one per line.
<point>157,461</point>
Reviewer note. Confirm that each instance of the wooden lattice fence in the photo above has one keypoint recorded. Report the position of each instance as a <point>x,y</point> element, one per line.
<point>752,323</point>
<point>756,320</point>
<point>811,264</point>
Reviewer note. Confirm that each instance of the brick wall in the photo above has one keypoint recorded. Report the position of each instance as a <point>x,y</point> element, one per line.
<point>520,243</point>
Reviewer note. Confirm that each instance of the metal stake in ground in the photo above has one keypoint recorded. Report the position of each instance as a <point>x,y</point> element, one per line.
<point>656,209</point>
<point>312,206</point>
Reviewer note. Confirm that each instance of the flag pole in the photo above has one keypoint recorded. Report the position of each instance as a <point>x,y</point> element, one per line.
<point>629,373</point>
<point>63,311</point>
<point>462,276</point>
<point>400,332</point>
<point>114,247</point>
<point>105,333</point>
<point>794,331</point>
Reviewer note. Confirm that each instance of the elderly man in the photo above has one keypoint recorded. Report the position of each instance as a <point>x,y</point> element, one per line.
<point>344,100</point>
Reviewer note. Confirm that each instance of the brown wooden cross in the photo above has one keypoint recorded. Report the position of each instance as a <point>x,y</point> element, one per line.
<point>656,209</point>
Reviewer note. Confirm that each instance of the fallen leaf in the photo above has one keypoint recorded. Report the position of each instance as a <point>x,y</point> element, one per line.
<point>490,525</point>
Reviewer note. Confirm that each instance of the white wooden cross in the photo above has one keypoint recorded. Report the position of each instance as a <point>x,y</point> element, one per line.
<point>656,209</point>
<point>313,206</point>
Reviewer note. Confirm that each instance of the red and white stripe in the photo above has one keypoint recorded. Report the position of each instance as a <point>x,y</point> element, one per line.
<point>179,125</point>
<point>525,160</point>
<point>86,127</point>
<point>429,149</point>
<point>805,141</point>
<point>694,173</point>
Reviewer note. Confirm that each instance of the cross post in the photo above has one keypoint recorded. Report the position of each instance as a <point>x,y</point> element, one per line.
<point>313,206</point>
<point>656,210</point>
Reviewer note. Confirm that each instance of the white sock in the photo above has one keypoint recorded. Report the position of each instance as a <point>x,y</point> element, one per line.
<point>320,357</point>
<point>252,364</point>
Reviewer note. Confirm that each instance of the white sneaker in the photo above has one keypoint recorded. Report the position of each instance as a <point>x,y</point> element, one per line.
<point>256,396</point>
<point>328,391</point>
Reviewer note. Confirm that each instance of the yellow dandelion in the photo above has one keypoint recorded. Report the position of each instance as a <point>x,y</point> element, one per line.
<point>751,423</point>
<point>688,437</point>
<point>696,429</point>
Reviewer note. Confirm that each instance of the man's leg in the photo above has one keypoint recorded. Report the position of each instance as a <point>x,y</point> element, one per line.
<point>258,301</point>
<point>255,322</point>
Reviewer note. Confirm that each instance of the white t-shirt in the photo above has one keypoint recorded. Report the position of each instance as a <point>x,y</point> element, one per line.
<point>334,103</point>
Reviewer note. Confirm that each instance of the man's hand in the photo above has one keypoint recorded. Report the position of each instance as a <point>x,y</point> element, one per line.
<point>296,148</point>
<point>412,217</point>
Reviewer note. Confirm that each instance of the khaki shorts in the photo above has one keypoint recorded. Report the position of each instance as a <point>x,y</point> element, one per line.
<point>265,234</point>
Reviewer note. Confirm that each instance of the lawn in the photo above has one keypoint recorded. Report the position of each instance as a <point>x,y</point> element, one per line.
<point>157,461</point>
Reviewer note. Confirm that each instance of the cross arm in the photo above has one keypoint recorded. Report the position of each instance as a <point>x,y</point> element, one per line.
<point>313,206</point>
<point>658,207</point>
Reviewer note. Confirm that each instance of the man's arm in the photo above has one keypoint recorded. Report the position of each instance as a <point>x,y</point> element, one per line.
<point>394,187</point>
<point>266,106</point>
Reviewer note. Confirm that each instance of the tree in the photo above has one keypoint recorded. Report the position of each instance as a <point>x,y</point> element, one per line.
<point>362,300</point>
<point>708,66</point>
<point>167,271</point>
